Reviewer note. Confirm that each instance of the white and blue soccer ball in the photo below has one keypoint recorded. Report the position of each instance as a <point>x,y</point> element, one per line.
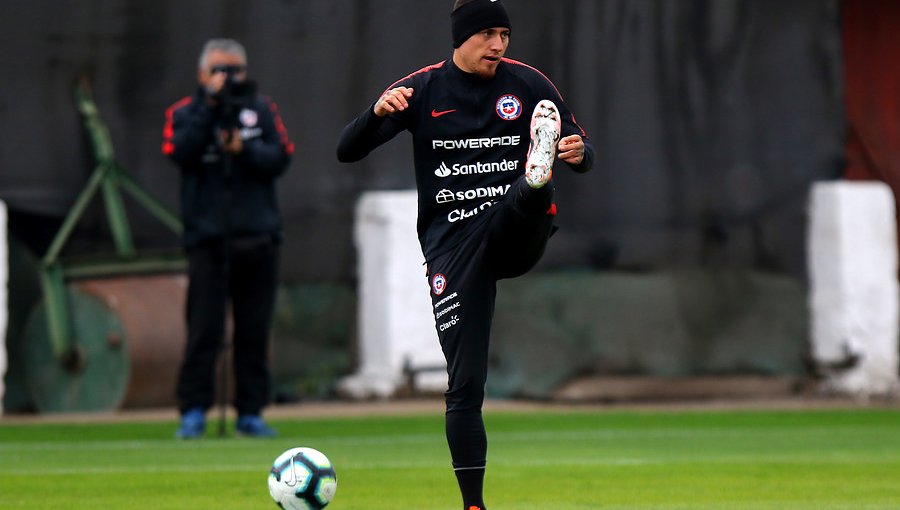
<point>302,479</point>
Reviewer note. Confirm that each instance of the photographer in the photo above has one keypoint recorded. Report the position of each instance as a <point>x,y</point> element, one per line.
<point>231,146</point>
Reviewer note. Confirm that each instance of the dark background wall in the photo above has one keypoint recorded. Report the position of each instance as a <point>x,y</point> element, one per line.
<point>681,253</point>
<point>710,118</point>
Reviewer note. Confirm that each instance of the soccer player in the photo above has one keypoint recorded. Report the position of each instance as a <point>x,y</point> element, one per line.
<point>486,131</point>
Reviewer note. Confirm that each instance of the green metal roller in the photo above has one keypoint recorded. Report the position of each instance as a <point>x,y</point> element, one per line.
<point>75,349</point>
<point>93,374</point>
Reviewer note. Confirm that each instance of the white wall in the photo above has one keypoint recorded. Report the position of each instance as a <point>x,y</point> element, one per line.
<point>854,293</point>
<point>4,309</point>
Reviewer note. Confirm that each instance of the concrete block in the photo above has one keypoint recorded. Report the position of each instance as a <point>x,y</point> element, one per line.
<point>852,255</point>
<point>396,323</point>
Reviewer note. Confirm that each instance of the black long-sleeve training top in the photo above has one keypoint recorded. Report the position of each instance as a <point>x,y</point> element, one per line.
<point>470,141</point>
<point>190,139</point>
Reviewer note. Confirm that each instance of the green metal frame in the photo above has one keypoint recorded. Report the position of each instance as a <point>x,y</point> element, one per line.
<point>109,178</point>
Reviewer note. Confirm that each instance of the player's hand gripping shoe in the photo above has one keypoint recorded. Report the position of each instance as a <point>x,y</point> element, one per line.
<point>545,130</point>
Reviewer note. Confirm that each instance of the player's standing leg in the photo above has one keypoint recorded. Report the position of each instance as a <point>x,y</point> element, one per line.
<point>462,293</point>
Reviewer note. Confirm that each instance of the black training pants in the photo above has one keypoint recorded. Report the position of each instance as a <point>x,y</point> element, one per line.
<point>508,243</point>
<point>250,287</point>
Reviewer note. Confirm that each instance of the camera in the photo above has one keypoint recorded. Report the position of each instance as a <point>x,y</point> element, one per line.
<point>235,94</point>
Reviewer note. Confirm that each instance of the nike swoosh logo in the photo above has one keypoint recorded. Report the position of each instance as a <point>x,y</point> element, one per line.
<point>436,114</point>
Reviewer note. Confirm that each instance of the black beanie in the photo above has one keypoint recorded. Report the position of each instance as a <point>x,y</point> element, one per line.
<point>470,17</point>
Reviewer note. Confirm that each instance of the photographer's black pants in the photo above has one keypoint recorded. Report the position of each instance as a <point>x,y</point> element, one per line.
<point>463,289</point>
<point>250,287</point>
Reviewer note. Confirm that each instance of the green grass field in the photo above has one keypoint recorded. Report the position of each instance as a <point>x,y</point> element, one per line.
<point>559,460</point>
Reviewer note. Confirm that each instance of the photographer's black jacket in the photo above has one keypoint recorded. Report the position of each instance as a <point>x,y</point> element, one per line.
<point>470,141</point>
<point>190,139</point>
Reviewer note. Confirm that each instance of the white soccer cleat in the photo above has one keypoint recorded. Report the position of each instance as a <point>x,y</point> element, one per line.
<point>545,132</point>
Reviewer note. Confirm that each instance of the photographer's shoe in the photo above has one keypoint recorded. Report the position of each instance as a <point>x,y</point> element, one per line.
<point>252,425</point>
<point>545,131</point>
<point>193,424</point>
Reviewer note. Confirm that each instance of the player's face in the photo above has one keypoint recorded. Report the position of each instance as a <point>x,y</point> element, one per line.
<point>481,53</point>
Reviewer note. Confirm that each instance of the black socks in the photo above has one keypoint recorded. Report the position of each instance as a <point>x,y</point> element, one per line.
<point>471,485</point>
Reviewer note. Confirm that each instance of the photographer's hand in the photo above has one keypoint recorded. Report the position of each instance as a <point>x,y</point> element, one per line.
<point>231,142</point>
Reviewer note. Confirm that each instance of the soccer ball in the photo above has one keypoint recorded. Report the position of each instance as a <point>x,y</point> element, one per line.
<point>302,479</point>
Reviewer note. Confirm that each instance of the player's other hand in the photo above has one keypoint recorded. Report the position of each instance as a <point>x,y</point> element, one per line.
<point>394,100</point>
<point>571,149</point>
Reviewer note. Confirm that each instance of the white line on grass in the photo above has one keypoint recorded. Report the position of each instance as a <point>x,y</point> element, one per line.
<point>530,436</point>
<point>131,468</point>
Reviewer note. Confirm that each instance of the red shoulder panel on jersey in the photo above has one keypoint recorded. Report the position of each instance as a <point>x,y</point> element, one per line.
<point>279,126</point>
<point>426,69</point>
<point>167,146</point>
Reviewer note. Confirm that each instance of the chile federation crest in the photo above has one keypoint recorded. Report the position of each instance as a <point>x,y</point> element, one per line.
<point>509,107</point>
<point>439,284</point>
